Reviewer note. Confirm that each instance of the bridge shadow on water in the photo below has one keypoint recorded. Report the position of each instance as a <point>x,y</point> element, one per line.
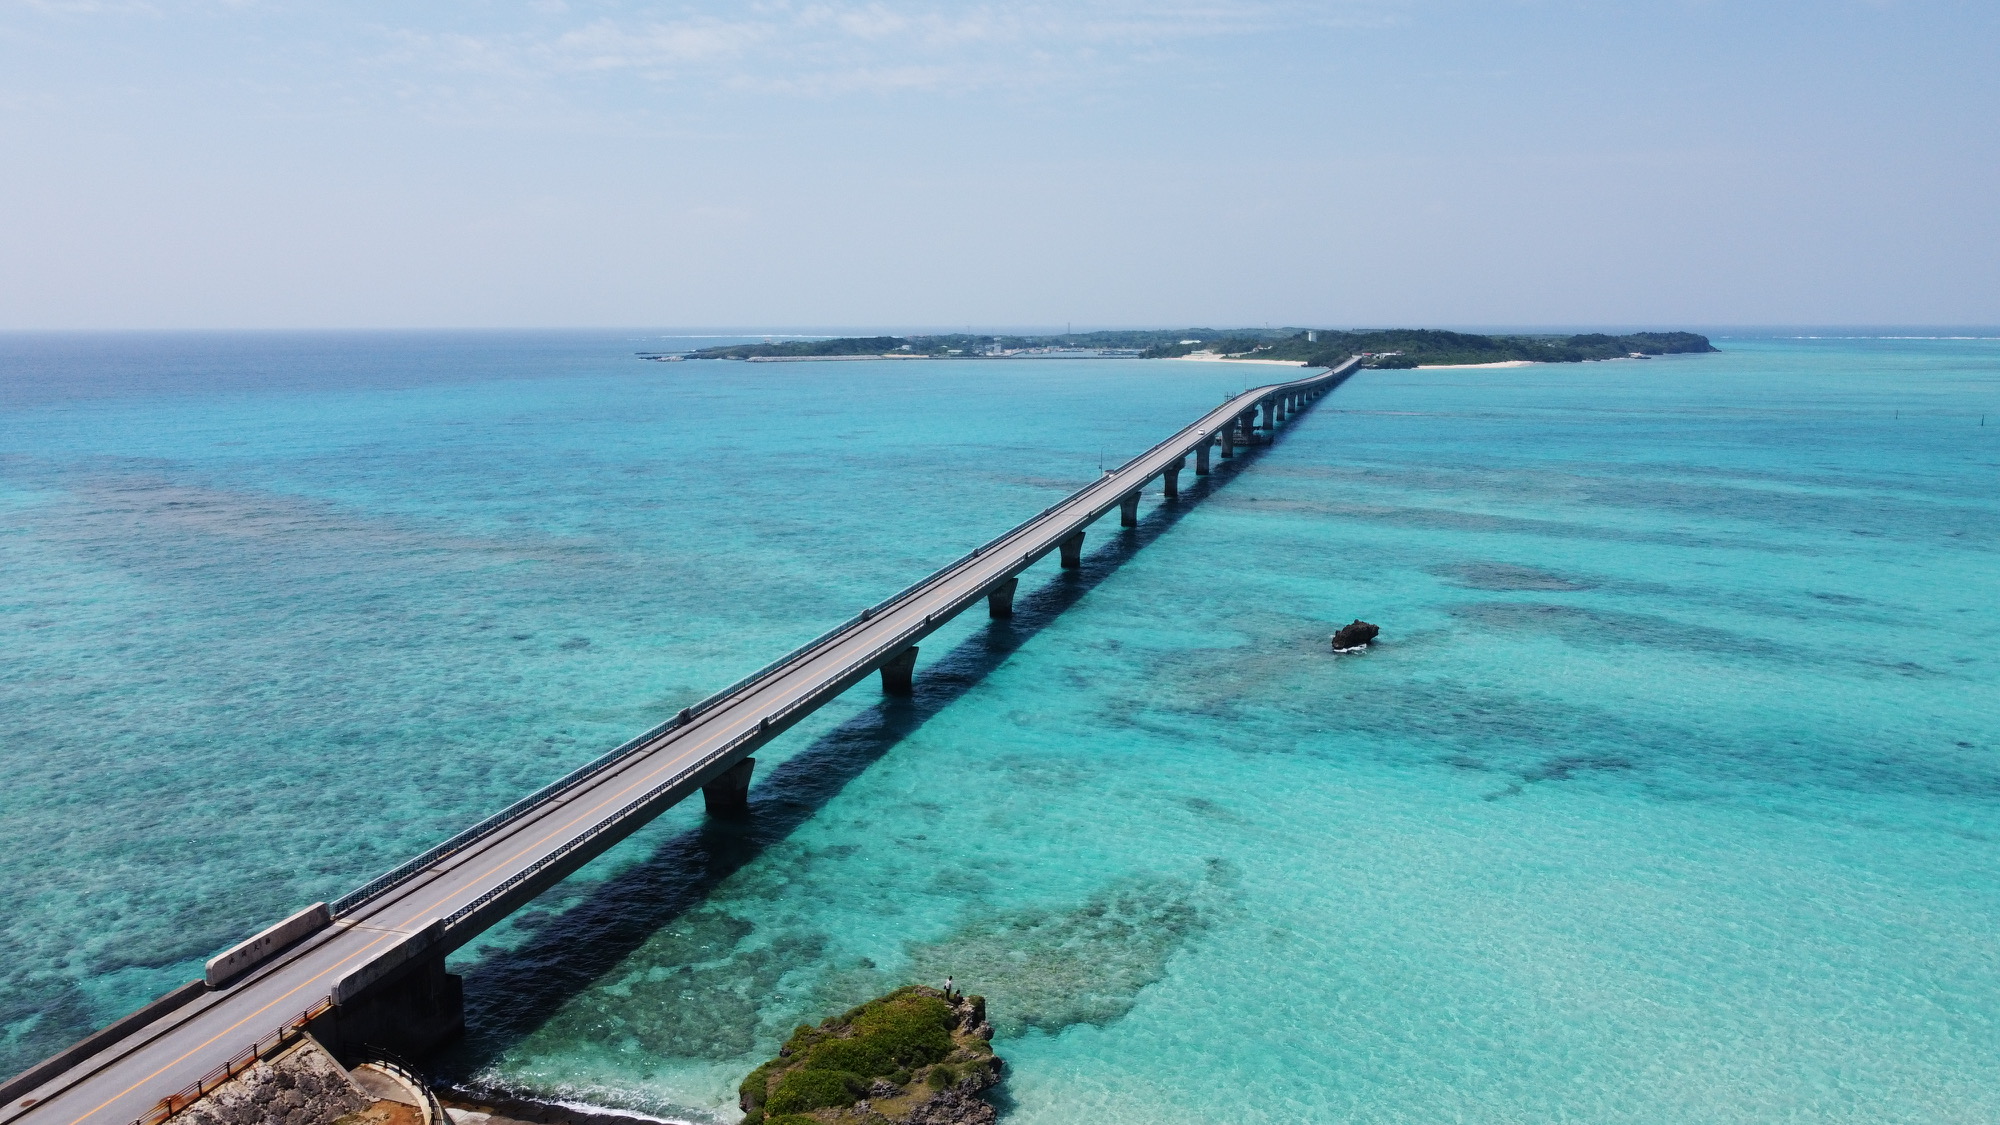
<point>510,993</point>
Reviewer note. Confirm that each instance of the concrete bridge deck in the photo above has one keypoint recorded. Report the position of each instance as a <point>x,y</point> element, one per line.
<point>371,969</point>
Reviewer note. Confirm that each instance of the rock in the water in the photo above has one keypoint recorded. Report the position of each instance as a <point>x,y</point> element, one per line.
<point>914,1057</point>
<point>1357,635</point>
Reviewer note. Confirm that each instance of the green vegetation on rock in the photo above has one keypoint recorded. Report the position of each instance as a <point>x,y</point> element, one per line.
<point>898,1053</point>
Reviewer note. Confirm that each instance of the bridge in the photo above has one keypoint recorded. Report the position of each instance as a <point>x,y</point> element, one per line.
<point>370,967</point>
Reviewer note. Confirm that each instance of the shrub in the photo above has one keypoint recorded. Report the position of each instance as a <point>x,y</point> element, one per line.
<point>897,1037</point>
<point>911,1030</point>
<point>803,1036</point>
<point>861,1055</point>
<point>804,1090</point>
<point>752,1091</point>
<point>893,1035</point>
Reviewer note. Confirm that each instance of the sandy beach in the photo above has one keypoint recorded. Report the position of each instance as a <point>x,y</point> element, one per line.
<point>1471,366</point>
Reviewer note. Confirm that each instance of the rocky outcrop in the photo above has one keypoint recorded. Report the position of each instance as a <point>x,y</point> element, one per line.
<point>302,1086</point>
<point>914,1057</point>
<point>1360,634</point>
<point>953,1107</point>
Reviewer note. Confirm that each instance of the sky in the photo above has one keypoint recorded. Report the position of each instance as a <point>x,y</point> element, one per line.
<point>905,164</point>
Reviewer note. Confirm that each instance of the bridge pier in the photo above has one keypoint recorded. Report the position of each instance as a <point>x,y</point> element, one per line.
<point>729,794</point>
<point>1170,477</point>
<point>1072,551</point>
<point>1249,423</point>
<point>896,674</point>
<point>412,1012</point>
<point>1128,510</point>
<point>1228,439</point>
<point>1270,416</point>
<point>1000,599</point>
<point>1201,458</point>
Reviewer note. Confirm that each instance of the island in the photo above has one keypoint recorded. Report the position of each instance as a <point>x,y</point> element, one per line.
<point>1312,347</point>
<point>917,1056</point>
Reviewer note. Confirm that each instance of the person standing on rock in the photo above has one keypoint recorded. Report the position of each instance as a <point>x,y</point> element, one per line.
<point>947,988</point>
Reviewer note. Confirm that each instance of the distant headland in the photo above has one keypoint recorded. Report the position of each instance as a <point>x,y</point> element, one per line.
<point>1313,347</point>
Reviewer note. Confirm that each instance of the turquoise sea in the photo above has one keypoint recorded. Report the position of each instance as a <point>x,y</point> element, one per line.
<point>1671,794</point>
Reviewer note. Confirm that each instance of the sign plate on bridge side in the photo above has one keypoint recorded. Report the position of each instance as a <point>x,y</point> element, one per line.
<point>225,967</point>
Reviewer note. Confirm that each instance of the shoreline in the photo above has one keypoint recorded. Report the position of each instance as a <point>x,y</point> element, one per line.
<point>1474,366</point>
<point>472,1106</point>
<point>1211,358</point>
<point>893,355</point>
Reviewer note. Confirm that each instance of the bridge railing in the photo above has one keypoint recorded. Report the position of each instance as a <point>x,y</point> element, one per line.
<point>606,824</point>
<point>264,1047</point>
<point>1184,432</point>
<point>393,877</point>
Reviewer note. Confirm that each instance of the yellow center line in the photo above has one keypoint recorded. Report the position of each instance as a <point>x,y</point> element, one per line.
<point>211,1039</point>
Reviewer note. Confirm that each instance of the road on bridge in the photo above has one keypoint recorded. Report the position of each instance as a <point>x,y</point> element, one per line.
<point>446,901</point>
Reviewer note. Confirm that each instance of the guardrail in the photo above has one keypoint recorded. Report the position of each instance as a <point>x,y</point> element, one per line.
<point>98,1040</point>
<point>680,778</point>
<point>264,1047</point>
<point>405,1070</point>
<point>393,877</point>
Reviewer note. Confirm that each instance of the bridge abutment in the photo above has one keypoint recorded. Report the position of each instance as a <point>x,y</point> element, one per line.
<point>898,672</point>
<point>411,1013</point>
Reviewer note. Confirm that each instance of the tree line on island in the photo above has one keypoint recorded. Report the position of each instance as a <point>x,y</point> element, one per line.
<point>1393,347</point>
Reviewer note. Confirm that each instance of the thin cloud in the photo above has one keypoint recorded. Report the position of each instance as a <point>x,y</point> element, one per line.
<point>822,49</point>
<point>604,45</point>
